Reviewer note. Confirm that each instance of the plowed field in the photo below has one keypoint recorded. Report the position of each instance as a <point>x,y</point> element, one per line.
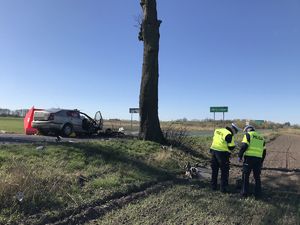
<point>284,152</point>
<point>282,163</point>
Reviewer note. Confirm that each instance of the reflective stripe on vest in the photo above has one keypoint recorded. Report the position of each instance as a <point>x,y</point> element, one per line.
<point>219,143</point>
<point>256,144</point>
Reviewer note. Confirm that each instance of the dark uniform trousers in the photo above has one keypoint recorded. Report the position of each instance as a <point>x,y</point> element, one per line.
<point>255,164</point>
<point>219,160</point>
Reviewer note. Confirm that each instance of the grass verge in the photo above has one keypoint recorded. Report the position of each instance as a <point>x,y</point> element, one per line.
<point>43,183</point>
<point>196,204</point>
<point>63,176</point>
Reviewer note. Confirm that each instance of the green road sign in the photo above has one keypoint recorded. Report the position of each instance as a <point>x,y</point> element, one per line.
<point>219,109</point>
<point>259,122</point>
<point>134,110</point>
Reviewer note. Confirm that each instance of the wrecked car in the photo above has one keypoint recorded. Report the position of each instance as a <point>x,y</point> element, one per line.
<point>66,122</point>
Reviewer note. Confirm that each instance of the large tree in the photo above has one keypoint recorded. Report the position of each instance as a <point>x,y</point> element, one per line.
<point>149,34</point>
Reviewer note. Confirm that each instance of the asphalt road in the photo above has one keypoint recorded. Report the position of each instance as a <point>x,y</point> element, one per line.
<point>22,138</point>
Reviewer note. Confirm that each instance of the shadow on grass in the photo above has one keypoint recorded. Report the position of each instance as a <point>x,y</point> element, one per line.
<point>285,207</point>
<point>280,201</point>
<point>284,183</point>
<point>189,150</point>
<point>114,155</point>
<point>279,206</point>
<point>273,207</point>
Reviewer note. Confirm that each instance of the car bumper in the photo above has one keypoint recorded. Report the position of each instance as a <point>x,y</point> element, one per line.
<point>46,125</point>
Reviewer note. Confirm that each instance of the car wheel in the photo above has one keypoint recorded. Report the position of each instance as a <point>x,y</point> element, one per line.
<point>67,130</point>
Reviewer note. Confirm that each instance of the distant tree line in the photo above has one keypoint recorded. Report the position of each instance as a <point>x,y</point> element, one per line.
<point>13,113</point>
<point>240,122</point>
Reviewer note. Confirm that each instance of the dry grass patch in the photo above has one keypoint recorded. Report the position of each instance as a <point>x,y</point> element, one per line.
<point>163,155</point>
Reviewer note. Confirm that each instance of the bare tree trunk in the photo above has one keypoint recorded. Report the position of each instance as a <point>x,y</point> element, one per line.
<point>149,34</point>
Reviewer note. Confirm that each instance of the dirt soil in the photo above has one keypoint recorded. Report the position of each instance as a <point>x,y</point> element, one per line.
<point>282,163</point>
<point>284,152</point>
<point>281,168</point>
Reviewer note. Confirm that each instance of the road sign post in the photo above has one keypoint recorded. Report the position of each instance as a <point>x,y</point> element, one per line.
<point>221,109</point>
<point>133,110</point>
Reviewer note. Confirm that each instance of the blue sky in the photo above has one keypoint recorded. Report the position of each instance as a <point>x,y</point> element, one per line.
<point>85,54</point>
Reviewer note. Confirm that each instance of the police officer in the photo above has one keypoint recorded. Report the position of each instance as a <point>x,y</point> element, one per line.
<point>222,145</point>
<point>254,151</point>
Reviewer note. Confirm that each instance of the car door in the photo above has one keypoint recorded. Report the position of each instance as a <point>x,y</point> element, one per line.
<point>75,120</point>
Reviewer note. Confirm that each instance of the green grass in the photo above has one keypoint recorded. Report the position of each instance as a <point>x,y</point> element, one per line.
<point>65,176</point>
<point>12,124</point>
<point>50,178</point>
<point>196,204</point>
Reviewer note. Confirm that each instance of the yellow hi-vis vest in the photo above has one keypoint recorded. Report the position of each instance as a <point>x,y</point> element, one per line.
<point>256,144</point>
<point>219,143</point>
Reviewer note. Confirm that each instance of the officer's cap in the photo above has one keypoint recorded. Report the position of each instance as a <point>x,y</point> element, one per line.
<point>249,128</point>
